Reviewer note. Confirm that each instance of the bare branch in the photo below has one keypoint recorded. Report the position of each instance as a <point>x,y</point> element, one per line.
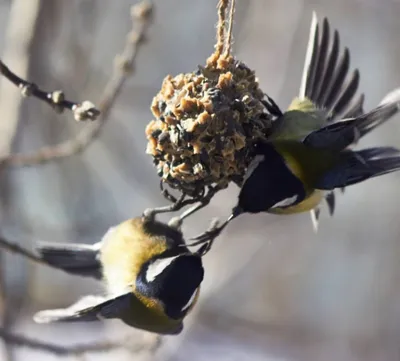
<point>15,248</point>
<point>56,99</point>
<point>78,350</point>
<point>124,66</point>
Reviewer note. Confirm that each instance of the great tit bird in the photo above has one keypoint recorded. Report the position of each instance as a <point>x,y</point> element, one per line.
<point>290,176</point>
<point>327,94</point>
<point>152,279</point>
<point>306,156</point>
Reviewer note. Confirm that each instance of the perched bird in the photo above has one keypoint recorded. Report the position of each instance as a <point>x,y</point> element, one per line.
<point>152,279</point>
<point>307,155</point>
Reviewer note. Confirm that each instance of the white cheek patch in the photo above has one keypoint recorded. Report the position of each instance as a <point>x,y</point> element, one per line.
<point>157,267</point>
<point>253,166</point>
<point>286,202</point>
<point>190,302</point>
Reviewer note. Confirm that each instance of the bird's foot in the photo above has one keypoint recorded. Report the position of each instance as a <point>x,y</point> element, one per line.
<point>207,238</point>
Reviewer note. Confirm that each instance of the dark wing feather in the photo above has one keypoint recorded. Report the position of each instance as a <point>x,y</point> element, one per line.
<point>326,81</point>
<point>78,259</point>
<point>355,167</point>
<point>340,135</point>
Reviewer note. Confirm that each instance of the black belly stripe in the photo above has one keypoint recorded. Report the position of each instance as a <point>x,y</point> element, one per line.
<point>271,182</point>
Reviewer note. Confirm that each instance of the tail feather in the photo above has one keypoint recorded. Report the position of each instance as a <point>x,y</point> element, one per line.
<point>78,259</point>
<point>324,78</point>
<point>355,167</point>
<point>330,201</point>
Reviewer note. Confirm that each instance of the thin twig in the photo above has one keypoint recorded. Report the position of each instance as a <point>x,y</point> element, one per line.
<point>141,18</point>
<point>75,350</point>
<point>15,248</point>
<point>56,99</point>
<point>78,350</point>
<point>228,38</point>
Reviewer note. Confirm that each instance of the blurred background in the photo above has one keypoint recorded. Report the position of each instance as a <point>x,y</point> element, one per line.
<point>273,289</point>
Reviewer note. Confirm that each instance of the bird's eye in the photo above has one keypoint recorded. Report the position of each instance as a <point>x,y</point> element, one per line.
<point>191,300</point>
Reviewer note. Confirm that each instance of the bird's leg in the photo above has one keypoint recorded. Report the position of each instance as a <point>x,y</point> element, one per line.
<point>207,238</point>
<point>181,202</point>
<point>271,106</point>
<point>176,222</point>
<point>178,203</point>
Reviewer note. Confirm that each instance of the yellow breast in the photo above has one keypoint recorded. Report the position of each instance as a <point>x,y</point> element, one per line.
<point>125,249</point>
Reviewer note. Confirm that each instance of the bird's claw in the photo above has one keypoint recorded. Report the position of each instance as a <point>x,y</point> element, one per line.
<point>207,238</point>
<point>212,232</point>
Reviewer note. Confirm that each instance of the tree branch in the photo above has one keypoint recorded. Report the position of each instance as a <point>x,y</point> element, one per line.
<point>124,66</point>
<point>56,99</point>
<point>80,349</point>
<point>15,248</point>
<point>76,350</point>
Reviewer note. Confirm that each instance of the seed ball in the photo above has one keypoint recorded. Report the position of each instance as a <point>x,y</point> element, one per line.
<point>205,124</point>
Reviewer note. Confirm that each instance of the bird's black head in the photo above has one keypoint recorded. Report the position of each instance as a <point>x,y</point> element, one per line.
<point>173,280</point>
<point>269,183</point>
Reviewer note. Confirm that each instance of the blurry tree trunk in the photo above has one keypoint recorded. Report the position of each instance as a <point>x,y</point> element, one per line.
<point>20,34</point>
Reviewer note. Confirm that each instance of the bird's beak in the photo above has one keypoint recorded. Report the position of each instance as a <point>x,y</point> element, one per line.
<point>237,211</point>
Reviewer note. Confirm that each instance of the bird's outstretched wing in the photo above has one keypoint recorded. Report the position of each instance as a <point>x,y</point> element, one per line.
<point>340,135</point>
<point>327,86</point>
<point>326,80</point>
<point>78,259</point>
<point>356,167</point>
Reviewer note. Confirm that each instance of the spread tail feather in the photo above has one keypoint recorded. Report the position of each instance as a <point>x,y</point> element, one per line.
<point>78,259</point>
